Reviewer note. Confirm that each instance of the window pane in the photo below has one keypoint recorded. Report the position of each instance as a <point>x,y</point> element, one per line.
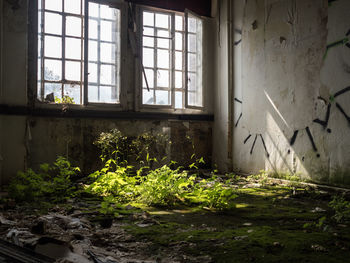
<point>178,23</point>
<point>73,92</point>
<point>106,12</point>
<point>178,100</point>
<point>148,42</point>
<point>163,43</point>
<point>150,78</point>
<point>72,6</point>
<point>192,43</point>
<point>107,74</point>
<point>55,5</point>
<point>163,78</point>
<point>162,97</point>
<point>178,80</point>
<point>93,29</point>
<point>192,24</point>
<point>92,73</point>
<point>73,70</point>
<point>106,30</point>
<point>178,60</point>
<point>73,26</point>
<point>192,81</point>
<point>92,50</point>
<point>192,62</point>
<point>52,69</point>
<point>93,10</point>
<point>148,31</point>
<point>148,19</point>
<point>163,33</point>
<point>53,47</point>
<point>107,52</point>
<point>54,88</point>
<point>148,57</point>
<point>178,41</point>
<point>53,23</point>
<point>163,58</point>
<point>93,93</point>
<point>147,97</point>
<point>162,20</point>
<point>73,48</point>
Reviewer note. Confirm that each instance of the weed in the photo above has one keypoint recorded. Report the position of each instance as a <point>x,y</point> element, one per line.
<point>341,208</point>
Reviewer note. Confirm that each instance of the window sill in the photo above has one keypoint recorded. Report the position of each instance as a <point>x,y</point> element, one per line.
<point>81,111</point>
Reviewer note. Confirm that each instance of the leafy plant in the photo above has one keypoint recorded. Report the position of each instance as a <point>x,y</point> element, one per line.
<point>165,187</point>
<point>65,100</point>
<point>52,182</point>
<point>341,208</point>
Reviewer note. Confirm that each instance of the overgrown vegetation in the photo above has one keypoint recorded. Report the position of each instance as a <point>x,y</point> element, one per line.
<point>51,183</point>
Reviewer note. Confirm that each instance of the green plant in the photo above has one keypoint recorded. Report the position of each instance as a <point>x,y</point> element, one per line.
<point>65,100</point>
<point>52,182</point>
<point>341,208</point>
<point>165,187</point>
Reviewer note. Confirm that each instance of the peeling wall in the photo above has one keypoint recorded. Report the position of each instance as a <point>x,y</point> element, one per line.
<point>288,115</point>
<point>26,140</point>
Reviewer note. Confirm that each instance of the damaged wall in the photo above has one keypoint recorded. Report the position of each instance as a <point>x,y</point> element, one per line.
<point>33,136</point>
<point>290,93</point>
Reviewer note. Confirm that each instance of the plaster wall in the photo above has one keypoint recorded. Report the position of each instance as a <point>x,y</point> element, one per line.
<point>287,82</point>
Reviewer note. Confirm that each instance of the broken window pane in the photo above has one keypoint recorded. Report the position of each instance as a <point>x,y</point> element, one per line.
<point>52,69</point>
<point>73,92</point>
<point>54,88</point>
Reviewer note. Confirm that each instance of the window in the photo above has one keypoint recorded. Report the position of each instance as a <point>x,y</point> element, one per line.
<point>61,56</point>
<point>171,60</point>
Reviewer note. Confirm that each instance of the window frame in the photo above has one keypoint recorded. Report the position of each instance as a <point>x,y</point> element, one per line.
<point>139,86</point>
<point>33,58</point>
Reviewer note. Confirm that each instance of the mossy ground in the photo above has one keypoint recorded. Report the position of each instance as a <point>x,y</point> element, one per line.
<point>267,225</point>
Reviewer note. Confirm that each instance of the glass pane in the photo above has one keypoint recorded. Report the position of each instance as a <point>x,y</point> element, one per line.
<point>178,60</point>
<point>39,69</point>
<point>92,29</point>
<point>53,23</point>
<point>53,47</point>
<point>178,23</point>
<point>178,100</point>
<point>93,10</point>
<point>108,94</point>
<point>106,12</point>
<point>92,50</point>
<point>150,78</point>
<point>163,78</point>
<point>106,30</point>
<point>162,97</point>
<point>73,48</point>
<point>148,19</point>
<point>73,69</point>
<point>163,43</point>
<point>178,41</point>
<point>73,92</point>
<point>107,74</point>
<point>163,33</point>
<point>162,20</point>
<point>148,41</point>
<point>192,24</point>
<point>54,88</point>
<point>92,73</point>
<point>73,26</point>
<point>163,58</point>
<point>107,52</point>
<point>191,62</point>
<point>55,5</point>
<point>39,23</point>
<point>178,80</point>
<point>192,99</point>
<point>148,31</point>
<point>147,97</point>
<point>52,69</point>
<point>72,6</point>
<point>192,43</point>
<point>148,57</point>
<point>93,93</point>
<point>192,81</point>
